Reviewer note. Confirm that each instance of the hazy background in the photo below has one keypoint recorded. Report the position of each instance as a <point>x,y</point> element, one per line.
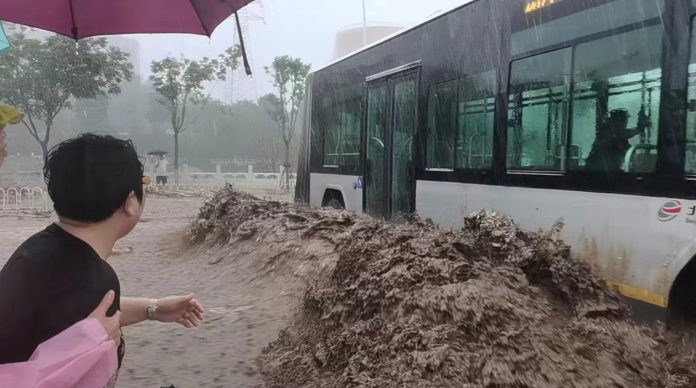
<point>231,129</point>
<point>299,28</point>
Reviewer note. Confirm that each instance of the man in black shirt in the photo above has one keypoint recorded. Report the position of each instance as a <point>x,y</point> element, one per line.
<point>49,283</point>
<point>58,276</point>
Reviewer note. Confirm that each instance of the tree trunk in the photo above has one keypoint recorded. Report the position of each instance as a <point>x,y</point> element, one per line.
<point>287,154</point>
<point>44,149</point>
<point>34,132</point>
<point>286,165</point>
<point>176,157</point>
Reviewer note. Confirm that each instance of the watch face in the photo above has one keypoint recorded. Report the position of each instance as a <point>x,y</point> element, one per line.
<point>152,310</point>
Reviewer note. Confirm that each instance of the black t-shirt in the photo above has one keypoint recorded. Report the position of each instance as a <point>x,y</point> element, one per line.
<point>52,281</point>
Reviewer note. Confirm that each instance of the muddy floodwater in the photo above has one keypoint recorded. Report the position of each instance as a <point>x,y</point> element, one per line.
<point>300,297</point>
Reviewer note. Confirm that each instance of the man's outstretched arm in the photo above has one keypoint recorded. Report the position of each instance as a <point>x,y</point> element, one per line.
<point>185,310</point>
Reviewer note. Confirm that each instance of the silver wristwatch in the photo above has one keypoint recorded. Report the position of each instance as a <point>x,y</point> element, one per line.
<point>152,310</point>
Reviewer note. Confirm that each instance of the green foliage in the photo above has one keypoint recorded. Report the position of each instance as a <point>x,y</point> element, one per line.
<point>271,103</point>
<point>227,131</point>
<point>179,82</point>
<point>289,75</point>
<point>43,77</point>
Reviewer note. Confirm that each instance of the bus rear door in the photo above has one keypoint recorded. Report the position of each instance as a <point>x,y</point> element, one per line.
<point>389,158</point>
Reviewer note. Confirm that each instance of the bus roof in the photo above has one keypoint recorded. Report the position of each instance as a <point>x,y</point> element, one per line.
<point>433,17</point>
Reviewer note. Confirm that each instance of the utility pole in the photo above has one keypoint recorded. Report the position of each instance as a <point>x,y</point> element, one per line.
<point>364,30</point>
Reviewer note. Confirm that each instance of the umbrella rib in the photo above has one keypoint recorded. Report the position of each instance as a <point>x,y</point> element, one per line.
<point>72,17</point>
<point>198,15</point>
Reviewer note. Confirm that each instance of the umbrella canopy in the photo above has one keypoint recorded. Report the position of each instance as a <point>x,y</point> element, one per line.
<point>4,43</point>
<point>83,18</point>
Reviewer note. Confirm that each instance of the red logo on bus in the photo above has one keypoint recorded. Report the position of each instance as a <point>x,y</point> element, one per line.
<point>669,211</point>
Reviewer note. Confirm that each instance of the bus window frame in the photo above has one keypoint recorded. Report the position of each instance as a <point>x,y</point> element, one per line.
<point>688,176</point>
<point>567,123</point>
<point>426,128</point>
<point>343,169</point>
<point>455,173</point>
<point>496,87</point>
<point>572,177</point>
<point>460,171</point>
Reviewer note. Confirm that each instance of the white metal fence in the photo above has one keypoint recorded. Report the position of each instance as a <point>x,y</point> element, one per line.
<point>24,198</point>
<point>256,180</point>
<point>197,179</point>
<point>24,191</point>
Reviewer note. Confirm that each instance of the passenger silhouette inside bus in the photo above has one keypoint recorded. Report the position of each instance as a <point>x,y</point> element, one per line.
<point>611,142</point>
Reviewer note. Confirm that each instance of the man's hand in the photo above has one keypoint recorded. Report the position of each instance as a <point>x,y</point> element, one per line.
<point>111,325</point>
<point>185,310</point>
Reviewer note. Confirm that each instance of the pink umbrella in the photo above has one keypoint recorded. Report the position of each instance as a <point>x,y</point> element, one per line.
<point>83,18</point>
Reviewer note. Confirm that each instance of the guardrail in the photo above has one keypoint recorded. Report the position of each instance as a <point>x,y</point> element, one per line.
<point>24,198</point>
<point>24,190</point>
<point>254,180</point>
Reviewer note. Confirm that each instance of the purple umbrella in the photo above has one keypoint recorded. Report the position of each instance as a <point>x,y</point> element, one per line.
<point>83,18</point>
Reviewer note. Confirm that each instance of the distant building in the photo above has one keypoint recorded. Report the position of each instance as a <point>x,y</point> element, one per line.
<point>130,46</point>
<point>350,39</point>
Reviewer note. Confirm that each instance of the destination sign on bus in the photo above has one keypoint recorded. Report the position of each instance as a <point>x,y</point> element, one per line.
<point>536,5</point>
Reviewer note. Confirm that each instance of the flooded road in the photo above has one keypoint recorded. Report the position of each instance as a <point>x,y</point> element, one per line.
<point>307,297</point>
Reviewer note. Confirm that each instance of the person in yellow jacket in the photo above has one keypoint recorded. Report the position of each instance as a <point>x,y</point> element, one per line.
<point>8,115</point>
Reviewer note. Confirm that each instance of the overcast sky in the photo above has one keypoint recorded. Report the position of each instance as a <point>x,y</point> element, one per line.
<point>299,28</point>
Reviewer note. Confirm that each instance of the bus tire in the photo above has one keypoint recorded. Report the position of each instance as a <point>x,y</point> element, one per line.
<point>333,199</point>
<point>336,204</point>
<point>681,310</point>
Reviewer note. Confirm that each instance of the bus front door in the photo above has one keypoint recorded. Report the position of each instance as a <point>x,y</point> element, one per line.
<point>391,122</point>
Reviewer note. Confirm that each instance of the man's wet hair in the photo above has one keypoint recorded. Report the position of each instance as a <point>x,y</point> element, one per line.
<point>619,114</point>
<point>90,176</point>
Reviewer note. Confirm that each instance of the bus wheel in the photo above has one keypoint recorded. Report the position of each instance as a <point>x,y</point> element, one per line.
<point>681,311</point>
<point>336,204</point>
<point>333,199</point>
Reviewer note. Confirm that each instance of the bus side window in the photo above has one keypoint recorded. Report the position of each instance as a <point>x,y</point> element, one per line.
<point>442,117</point>
<point>316,136</point>
<point>690,161</point>
<point>616,102</point>
<point>349,149</point>
<point>341,126</point>
<point>538,108</point>
<point>476,121</point>
<point>330,128</point>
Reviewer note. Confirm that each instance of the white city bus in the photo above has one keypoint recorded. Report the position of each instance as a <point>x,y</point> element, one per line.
<point>580,110</point>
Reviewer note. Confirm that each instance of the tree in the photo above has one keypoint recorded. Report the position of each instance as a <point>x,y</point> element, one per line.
<point>267,150</point>
<point>181,82</point>
<point>288,75</point>
<point>43,77</point>
<point>229,133</point>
